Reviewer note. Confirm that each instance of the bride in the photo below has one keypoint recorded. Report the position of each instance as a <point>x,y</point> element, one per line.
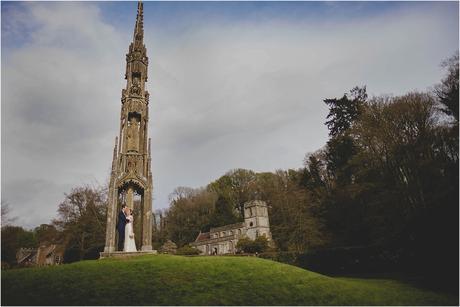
<point>130,244</point>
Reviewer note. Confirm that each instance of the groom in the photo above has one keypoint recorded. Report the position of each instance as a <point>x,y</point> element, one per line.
<point>121,223</point>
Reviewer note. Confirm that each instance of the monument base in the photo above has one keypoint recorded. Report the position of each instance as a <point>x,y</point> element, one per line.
<point>126,254</point>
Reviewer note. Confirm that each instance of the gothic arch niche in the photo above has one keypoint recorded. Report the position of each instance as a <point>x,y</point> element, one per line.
<point>131,194</point>
<point>133,131</point>
<point>136,82</point>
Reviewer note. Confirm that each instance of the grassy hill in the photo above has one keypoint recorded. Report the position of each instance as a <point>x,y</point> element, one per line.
<point>176,280</point>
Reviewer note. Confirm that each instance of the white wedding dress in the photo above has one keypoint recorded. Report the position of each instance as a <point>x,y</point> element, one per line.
<point>130,244</point>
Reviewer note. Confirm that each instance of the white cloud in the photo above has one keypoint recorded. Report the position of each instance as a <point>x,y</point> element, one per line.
<point>222,95</point>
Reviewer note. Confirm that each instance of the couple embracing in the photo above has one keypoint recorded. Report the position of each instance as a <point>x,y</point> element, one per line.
<point>125,229</point>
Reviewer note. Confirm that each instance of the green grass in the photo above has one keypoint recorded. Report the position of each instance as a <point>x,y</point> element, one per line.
<point>176,280</point>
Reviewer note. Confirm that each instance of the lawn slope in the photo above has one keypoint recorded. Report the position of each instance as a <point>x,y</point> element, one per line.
<point>176,280</point>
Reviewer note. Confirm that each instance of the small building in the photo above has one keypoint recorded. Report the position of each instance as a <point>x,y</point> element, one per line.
<point>45,254</point>
<point>223,240</point>
<point>51,254</point>
<point>26,257</point>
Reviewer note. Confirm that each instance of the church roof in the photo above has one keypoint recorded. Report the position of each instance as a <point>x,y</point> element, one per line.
<point>227,227</point>
<point>203,236</point>
<point>25,253</point>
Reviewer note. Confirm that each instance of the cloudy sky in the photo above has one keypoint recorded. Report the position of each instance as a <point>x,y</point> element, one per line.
<point>232,84</point>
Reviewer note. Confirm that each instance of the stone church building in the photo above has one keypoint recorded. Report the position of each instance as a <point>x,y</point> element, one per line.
<point>223,240</point>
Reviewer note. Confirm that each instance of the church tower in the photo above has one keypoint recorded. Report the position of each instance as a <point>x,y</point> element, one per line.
<point>256,220</point>
<point>131,176</point>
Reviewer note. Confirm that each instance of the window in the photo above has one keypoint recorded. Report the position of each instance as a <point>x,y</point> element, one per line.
<point>251,223</point>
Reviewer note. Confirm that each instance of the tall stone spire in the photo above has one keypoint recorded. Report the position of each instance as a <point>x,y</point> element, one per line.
<point>139,28</point>
<point>136,59</point>
<point>131,179</point>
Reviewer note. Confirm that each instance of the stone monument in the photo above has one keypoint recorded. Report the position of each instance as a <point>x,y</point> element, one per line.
<point>131,176</point>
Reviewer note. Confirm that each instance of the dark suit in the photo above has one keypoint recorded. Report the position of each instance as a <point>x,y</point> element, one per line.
<point>121,223</point>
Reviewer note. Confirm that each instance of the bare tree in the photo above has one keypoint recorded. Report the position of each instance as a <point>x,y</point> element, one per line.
<point>6,211</point>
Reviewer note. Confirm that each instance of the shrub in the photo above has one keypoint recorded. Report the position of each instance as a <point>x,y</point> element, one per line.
<point>71,255</point>
<point>259,245</point>
<point>244,244</point>
<point>187,250</point>
<point>5,265</point>
<point>284,257</point>
<point>93,252</point>
<point>345,260</point>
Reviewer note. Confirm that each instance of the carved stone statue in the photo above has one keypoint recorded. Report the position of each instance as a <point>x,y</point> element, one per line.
<point>133,134</point>
<point>135,89</point>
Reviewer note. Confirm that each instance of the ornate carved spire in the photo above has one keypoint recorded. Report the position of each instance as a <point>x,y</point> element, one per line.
<point>139,28</point>
<point>137,60</point>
